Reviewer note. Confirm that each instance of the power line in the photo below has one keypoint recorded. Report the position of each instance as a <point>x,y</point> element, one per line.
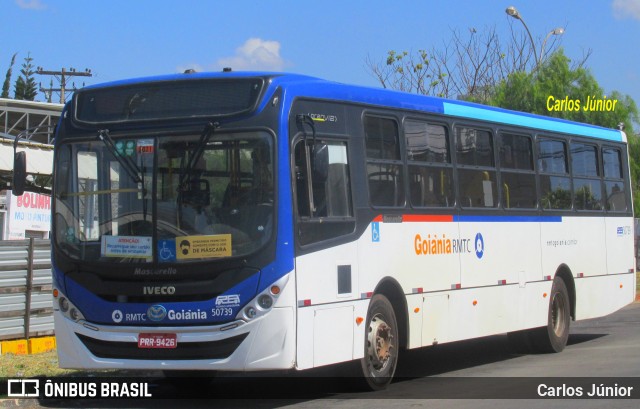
<point>61,77</point>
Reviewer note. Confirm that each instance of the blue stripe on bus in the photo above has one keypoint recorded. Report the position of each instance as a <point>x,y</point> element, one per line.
<point>522,119</point>
<point>508,219</point>
<point>300,85</point>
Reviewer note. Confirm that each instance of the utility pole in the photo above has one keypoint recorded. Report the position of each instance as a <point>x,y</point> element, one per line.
<point>61,76</point>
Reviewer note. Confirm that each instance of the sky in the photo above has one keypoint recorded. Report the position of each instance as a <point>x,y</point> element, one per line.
<point>330,39</point>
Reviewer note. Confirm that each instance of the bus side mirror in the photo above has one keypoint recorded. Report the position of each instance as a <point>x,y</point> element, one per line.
<point>19,173</point>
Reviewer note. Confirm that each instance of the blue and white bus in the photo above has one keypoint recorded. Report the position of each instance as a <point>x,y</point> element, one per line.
<point>254,221</point>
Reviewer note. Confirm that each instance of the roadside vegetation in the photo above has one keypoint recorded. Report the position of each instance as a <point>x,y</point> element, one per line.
<point>46,364</point>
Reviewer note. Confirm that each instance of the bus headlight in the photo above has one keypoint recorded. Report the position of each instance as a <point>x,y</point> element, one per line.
<point>75,314</point>
<point>64,304</point>
<point>66,307</point>
<point>265,301</point>
<point>250,312</point>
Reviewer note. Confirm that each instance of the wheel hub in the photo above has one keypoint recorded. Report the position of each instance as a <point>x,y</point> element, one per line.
<point>380,343</point>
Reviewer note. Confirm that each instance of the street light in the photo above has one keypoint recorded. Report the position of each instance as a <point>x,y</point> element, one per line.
<point>513,12</point>
<point>556,32</point>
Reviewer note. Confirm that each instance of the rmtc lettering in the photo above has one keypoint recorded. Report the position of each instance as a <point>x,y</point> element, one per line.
<point>166,290</point>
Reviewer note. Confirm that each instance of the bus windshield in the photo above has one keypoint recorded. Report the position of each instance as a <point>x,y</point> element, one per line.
<point>162,199</point>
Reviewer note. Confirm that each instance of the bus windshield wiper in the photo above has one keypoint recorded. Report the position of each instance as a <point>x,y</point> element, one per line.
<point>129,166</point>
<point>207,133</point>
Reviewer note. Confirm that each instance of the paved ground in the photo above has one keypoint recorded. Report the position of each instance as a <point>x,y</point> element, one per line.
<point>480,373</point>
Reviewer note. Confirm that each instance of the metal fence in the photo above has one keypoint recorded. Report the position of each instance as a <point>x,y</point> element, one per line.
<point>26,305</point>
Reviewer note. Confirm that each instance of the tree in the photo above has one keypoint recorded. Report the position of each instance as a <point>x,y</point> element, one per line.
<point>25,87</point>
<point>7,80</point>
<point>468,67</point>
<point>559,90</point>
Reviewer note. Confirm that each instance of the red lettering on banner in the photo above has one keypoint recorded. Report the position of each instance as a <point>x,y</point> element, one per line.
<point>34,201</point>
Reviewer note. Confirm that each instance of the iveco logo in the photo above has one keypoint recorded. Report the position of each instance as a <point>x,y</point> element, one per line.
<point>166,290</point>
<point>156,313</point>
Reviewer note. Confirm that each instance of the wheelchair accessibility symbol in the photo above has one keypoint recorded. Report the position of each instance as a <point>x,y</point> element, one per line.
<point>375,232</point>
<point>166,250</point>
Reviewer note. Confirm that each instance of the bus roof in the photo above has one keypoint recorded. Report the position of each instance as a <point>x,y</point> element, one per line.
<point>296,85</point>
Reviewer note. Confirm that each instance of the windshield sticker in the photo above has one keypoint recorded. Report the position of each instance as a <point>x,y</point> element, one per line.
<point>218,245</point>
<point>126,246</point>
<point>126,148</point>
<point>145,146</point>
<point>166,250</point>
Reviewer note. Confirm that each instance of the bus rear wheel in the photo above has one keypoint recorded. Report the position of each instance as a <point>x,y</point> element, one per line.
<point>554,337</point>
<point>381,344</point>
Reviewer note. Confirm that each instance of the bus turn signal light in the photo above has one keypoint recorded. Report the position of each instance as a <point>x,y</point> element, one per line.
<point>359,320</point>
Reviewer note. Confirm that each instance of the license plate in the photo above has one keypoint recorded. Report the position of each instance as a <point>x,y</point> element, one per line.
<point>157,341</point>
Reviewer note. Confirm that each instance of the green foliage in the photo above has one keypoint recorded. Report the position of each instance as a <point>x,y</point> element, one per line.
<point>25,87</point>
<point>7,81</point>
<point>557,199</point>
<point>537,91</point>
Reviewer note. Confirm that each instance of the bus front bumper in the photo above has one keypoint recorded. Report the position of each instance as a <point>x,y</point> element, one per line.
<point>266,343</point>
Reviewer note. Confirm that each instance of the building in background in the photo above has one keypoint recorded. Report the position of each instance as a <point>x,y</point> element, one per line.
<point>34,123</point>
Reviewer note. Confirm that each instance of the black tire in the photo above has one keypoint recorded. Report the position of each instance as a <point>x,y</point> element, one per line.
<point>553,337</point>
<point>381,344</point>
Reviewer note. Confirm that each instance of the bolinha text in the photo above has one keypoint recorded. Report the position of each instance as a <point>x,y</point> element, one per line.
<point>592,104</point>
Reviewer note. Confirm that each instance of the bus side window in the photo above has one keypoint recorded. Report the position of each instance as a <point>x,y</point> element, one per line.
<point>323,190</point>
<point>587,187</point>
<point>384,164</point>
<point>518,176</point>
<point>614,186</point>
<point>476,168</point>
<point>301,180</point>
<point>555,185</point>
<point>430,169</point>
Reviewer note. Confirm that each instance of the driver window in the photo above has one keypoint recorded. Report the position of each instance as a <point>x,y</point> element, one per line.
<point>323,190</point>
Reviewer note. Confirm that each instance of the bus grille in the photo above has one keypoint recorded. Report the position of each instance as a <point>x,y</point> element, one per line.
<point>184,351</point>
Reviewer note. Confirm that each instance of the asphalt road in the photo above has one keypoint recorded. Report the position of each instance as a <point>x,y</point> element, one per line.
<point>481,373</point>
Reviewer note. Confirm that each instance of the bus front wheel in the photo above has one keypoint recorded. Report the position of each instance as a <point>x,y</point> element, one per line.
<point>380,344</point>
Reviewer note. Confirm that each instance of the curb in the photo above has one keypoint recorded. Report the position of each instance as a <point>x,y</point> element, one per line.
<point>28,346</point>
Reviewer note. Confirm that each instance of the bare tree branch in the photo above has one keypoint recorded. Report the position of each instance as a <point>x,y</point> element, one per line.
<point>468,66</point>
